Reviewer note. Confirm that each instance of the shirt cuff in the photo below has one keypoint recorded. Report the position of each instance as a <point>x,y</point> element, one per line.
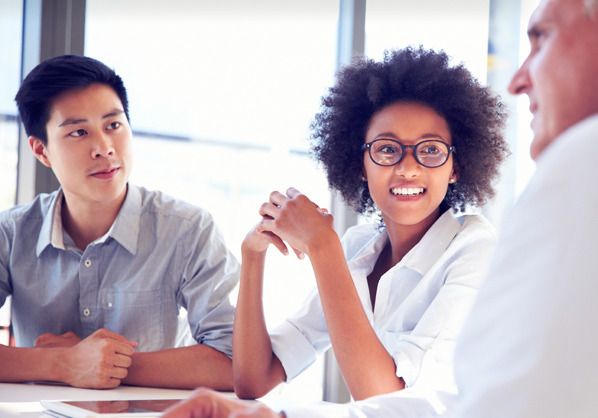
<point>294,351</point>
<point>406,369</point>
<point>223,344</point>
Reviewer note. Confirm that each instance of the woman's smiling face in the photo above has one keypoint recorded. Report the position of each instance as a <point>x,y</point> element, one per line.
<point>408,193</point>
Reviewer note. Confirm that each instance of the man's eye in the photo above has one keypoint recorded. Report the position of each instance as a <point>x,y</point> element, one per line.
<point>78,133</point>
<point>114,125</point>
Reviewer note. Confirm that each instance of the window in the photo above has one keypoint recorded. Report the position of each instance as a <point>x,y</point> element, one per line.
<point>221,97</point>
<point>458,27</point>
<point>10,29</point>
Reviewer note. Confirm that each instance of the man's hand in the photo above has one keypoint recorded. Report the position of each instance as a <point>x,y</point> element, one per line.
<point>99,361</point>
<point>205,403</point>
<point>47,340</point>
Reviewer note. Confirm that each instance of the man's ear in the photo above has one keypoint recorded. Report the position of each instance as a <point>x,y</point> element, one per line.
<point>39,151</point>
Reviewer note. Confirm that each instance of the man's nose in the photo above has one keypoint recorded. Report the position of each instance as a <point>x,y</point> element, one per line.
<point>520,82</point>
<point>103,146</point>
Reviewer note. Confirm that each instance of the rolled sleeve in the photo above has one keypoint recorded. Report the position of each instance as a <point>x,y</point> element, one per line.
<point>408,361</point>
<point>211,274</point>
<point>292,348</point>
<point>298,340</point>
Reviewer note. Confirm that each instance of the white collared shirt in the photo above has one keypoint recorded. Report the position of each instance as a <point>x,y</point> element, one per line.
<point>529,348</point>
<point>421,302</point>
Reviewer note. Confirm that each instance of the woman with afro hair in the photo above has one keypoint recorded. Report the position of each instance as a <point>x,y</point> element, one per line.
<point>418,142</point>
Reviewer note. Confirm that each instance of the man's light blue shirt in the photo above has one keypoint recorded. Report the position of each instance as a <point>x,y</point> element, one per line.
<point>159,256</point>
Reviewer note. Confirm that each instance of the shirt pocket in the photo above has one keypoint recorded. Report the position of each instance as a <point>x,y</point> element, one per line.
<point>137,315</point>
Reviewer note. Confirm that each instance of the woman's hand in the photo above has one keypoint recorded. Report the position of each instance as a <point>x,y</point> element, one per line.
<point>297,220</point>
<point>258,240</point>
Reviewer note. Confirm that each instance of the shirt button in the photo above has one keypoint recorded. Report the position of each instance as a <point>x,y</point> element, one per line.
<point>87,263</point>
<point>86,312</point>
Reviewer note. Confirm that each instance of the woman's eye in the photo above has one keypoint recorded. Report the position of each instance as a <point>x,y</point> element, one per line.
<point>114,125</point>
<point>431,149</point>
<point>78,133</point>
<point>387,149</point>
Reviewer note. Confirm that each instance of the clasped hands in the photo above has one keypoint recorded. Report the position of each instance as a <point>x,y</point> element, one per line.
<point>100,361</point>
<point>290,218</point>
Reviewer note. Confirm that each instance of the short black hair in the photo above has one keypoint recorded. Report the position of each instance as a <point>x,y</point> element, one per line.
<point>55,76</point>
<point>474,115</point>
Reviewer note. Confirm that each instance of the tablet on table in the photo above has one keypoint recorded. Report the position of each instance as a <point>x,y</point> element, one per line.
<point>108,409</point>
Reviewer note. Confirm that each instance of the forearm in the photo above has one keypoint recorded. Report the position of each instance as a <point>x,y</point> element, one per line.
<point>29,364</point>
<point>183,367</point>
<point>352,336</point>
<point>256,369</point>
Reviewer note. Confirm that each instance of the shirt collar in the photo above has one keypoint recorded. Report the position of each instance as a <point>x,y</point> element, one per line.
<point>434,243</point>
<point>51,231</point>
<point>423,255</point>
<point>124,230</point>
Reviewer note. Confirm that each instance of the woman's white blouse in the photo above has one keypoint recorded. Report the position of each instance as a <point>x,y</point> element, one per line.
<point>421,302</point>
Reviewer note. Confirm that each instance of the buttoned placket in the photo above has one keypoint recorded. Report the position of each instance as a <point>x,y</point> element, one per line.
<point>89,285</point>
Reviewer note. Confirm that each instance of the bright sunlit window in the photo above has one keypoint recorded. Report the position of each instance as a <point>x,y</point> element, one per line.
<point>459,27</point>
<point>221,98</point>
<point>10,29</point>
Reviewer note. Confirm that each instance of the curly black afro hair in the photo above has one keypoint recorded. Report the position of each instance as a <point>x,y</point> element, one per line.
<point>474,115</point>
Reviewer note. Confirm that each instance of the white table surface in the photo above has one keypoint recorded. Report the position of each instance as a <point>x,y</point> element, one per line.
<point>21,400</point>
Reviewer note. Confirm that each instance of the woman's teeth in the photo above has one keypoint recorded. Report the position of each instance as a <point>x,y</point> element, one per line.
<point>407,191</point>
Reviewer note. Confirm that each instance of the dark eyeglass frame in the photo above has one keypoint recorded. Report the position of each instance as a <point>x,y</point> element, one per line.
<point>368,146</point>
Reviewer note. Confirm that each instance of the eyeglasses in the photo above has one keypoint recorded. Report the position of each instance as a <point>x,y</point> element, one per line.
<point>430,153</point>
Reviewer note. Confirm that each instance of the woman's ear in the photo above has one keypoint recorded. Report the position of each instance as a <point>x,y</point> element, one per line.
<point>453,178</point>
<point>39,151</point>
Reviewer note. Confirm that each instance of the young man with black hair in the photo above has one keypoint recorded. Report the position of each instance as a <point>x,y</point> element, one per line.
<point>99,269</point>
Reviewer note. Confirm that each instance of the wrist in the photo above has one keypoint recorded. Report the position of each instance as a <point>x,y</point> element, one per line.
<point>322,243</point>
<point>56,360</point>
<point>249,255</point>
